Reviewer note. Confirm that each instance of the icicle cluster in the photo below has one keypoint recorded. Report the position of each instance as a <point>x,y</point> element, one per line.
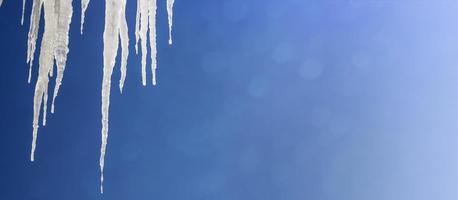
<point>146,19</point>
<point>54,50</point>
<point>115,29</point>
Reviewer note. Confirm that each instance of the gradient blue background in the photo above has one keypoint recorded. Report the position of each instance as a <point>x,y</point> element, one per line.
<point>256,100</point>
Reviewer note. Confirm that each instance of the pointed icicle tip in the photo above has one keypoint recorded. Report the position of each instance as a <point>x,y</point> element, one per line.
<point>101,184</point>
<point>30,74</point>
<point>34,143</point>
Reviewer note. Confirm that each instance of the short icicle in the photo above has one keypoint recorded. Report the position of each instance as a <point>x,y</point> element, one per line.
<point>33,33</point>
<point>23,10</point>
<point>124,36</point>
<point>84,5</point>
<point>170,17</point>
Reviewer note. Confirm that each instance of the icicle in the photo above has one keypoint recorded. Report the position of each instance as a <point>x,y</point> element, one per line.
<point>137,25</point>
<point>1,2</point>
<point>54,44</point>
<point>46,63</point>
<point>114,24</point>
<point>152,38</point>
<point>146,19</point>
<point>54,49</point>
<point>84,5</point>
<point>64,16</point>
<point>23,9</point>
<point>45,104</point>
<point>143,31</point>
<point>124,45</point>
<point>170,17</point>
<point>33,33</point>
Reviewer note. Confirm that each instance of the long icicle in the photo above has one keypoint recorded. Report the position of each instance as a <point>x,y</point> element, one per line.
<point>64,17</point>
<point>152,38</point>
<point>46,63</point>
<point>111,35</point>
<point>143,30</point>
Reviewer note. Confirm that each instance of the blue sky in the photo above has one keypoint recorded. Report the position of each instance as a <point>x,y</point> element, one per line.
<point>291,99</point>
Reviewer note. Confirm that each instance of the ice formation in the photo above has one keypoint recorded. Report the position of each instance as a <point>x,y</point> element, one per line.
<point>23,10</point>
<point>54,50</point>
<point>84,5</point>
<point>146,20</point>
<point>170,17</point>
<point>115,28</point>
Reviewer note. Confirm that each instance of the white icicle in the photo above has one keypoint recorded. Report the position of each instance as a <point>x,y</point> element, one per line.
<point>46,63</point>
<point>33,33</point>
<point>170,17</point>
<point>64,16</point>
<point>45,104</point>
<point>146,20</point>
<point>54,50</point>
<point>113,16</point>
<point>152,38</point>
<point>123,30</point>
<point>1,2</point>
<point>54,47</point>
<point>137,25</point>
<point>143,30</point>
<point>84,5</point>
<point>23,9</point>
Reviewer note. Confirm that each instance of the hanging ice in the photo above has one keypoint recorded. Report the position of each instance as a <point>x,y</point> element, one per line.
<point>1,2</point>
<point>170,17</point>
<point>33,33</point>
<point>146,20</point>
<point>64,17</point>
<point>124,36</point>
<point>115,28</point>
<point>23,9</point>
<point>84,5</point>
<point>54,50</point>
